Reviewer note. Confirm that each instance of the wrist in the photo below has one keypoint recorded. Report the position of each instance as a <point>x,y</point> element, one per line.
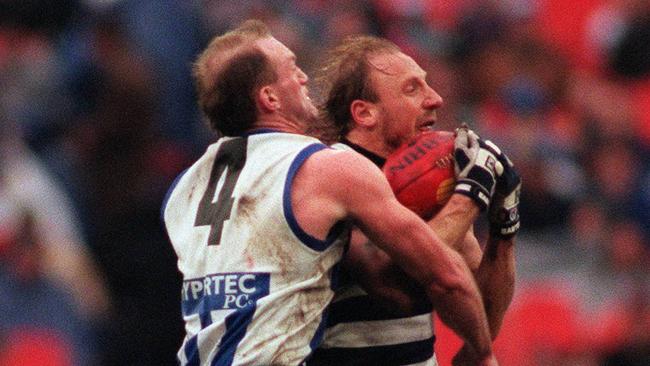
<point>497,233</point>
<point>480,197</point>
<point>504,231</point>
<point>483,354</point>
<point>489,360</point>
<point>464,203</point>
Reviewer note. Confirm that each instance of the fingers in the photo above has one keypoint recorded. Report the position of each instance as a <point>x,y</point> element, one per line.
<point>473,140</point>
<point>492,147</point>
<point>462,138</point>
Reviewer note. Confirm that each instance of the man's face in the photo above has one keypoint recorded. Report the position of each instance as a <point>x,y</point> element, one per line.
<point>290,87</point>
<point>407,105</point>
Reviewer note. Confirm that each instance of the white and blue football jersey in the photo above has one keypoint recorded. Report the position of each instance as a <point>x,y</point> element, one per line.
<point>255,284</point>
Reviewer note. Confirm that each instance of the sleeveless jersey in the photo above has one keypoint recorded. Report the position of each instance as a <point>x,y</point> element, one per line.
<point>360,332</point>
<point>255,285</point>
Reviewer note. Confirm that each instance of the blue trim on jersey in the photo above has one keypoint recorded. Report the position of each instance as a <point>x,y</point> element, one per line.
<point>206,294</point>
<point>317,339</point>
<point>310,241</point>
<point>237,323</point>
<point>169,194</point>
<point>192,351</point>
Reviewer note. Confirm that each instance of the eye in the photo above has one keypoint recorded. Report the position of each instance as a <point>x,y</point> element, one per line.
<point>411,87</point>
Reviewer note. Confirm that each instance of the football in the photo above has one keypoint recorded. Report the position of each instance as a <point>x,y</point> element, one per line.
<point>421,172</point>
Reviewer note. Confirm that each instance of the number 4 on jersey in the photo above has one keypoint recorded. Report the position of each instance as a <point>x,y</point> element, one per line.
<point>229,159</point>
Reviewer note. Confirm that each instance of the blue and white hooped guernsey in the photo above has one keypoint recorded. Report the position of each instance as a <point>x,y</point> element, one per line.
<point>361,332</point>
<point>255,285</point>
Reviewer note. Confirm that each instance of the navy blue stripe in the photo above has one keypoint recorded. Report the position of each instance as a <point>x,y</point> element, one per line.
<point>169,194</point>
<point>310,241</point>
<point>236,324</point>
<point>365,308</point>
<point>320,331</point>
<point>392,355</point>
<point>192,351</point>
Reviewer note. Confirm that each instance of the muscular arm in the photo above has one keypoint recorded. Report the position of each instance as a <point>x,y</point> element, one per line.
<point>345,185</point>
<point>381,278</point>
<point>496,279</point>
<point>454,225</point>
<point>493,269</point>
<point>390,286</point>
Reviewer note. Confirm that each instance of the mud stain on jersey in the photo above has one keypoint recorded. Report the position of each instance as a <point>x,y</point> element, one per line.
<point>246,207</point>
<point>189,196</point>
<point>250,262</point>
<point>248,212</point>
<point>269,247</point>
<point>301,327</point>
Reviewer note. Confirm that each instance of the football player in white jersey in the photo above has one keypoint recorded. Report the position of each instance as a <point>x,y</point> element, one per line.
<point>261,220</point>
<point>377,98</point>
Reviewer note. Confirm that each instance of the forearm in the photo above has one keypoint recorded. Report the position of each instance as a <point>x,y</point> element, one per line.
<point>454,220</point>
<point>441,271</point>
<point>381,278</point>
<point>496,280</point>
<point>462,309</point>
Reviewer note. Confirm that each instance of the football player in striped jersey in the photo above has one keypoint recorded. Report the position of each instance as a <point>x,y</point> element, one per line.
<point>377,98</point>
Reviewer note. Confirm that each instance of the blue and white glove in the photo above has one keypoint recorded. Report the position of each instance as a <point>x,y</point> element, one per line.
<point>504,210</point>
<point>476,167</point>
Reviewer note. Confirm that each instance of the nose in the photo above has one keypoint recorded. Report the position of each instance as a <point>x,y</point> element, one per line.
<point>432,100</point>
<point>302,76</point>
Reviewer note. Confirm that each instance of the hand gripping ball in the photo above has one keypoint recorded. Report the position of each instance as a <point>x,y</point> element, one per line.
<point>421,172</point>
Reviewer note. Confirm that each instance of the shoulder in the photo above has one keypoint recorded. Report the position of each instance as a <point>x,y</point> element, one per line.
<point>341,146</point>
<point>336,165</point>
<point>345,178</point>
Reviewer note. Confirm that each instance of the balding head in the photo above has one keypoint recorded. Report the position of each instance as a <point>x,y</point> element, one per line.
<point>228,73</point>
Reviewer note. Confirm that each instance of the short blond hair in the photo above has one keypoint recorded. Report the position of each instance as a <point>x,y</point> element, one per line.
<point>227,75</point>
<point>345,77</point>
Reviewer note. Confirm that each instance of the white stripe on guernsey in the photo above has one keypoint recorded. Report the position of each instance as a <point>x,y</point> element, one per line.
<point>430,362</point>
<point>379,332</point>
<point>348,292</point>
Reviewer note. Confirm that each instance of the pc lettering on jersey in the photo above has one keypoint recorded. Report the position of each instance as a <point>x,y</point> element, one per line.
<point>224,291</point>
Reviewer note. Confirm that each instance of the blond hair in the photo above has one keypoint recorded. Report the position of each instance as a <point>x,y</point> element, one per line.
<point>345,77</point>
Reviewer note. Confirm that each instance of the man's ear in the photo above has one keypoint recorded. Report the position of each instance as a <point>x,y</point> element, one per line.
<point>364,113</point>
<point>267,99</point>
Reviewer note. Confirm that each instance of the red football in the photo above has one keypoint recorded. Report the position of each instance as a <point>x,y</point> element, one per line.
<point>421,172</point>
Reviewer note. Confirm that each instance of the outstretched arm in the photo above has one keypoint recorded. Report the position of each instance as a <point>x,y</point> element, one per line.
<point>493,267</point>
<point>496,272</point>
<point>351,187</point>
<point>388,283</point>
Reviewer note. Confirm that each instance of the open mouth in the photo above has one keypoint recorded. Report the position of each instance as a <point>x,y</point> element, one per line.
<point>427,125</point>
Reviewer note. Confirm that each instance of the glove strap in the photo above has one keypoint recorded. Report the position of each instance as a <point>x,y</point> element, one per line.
<point>474,191</point>
<point>505,219</point>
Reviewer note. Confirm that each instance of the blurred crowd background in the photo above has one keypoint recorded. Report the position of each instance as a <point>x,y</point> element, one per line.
<point>98,115</point>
